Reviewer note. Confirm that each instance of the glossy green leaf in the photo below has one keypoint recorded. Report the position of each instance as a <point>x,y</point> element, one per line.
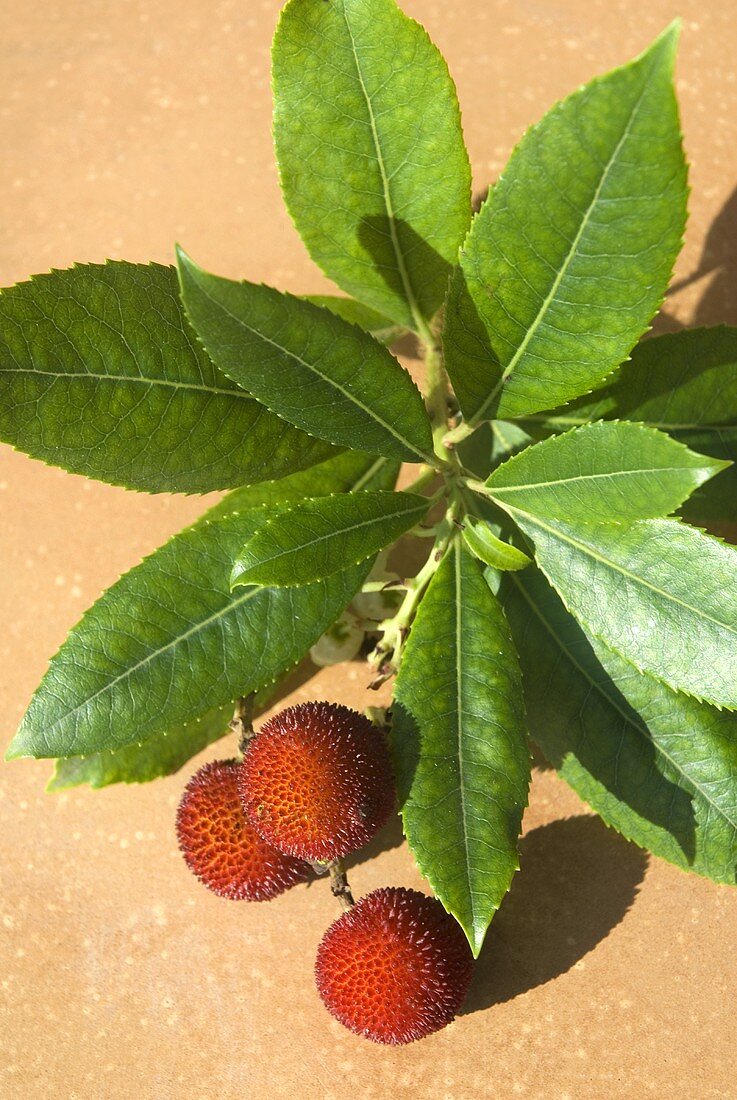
<point>601,472</point>
<point>368,139</point>
<point>169,641</point>
<point>463,765</point>
<point>657,766</point>
<point>348,472</point>
<point>162,754</point>
<point>356,313</point>
<point>308,365</point>
<point>507,439</point>
<point>323,535</point>
<point>571,254</point>
<point>686,384</point>
<point>484,545</point>
<point>659,593</point>
<point>101,373</point>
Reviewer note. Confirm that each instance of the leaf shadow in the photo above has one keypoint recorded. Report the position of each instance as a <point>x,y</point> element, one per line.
<point>578,881</point>
<point>377,234</point>
<point>718,302</point>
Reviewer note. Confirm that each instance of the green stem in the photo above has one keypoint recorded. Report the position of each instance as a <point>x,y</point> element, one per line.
<point>436,390</point>
<point>388,653</point>
<point>477,486</point>
<point>458,434</point>
<point>426,477</point>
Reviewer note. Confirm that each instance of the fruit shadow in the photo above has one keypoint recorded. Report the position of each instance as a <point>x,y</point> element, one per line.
<point>577,882</point>
<point>391,836</point>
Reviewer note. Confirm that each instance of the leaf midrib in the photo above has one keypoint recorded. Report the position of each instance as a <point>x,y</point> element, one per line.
<point>388,201</point>
<point>346,530</point>
<point>140,379</point>
<point>500,490</point>
<point>351,397</point>
<point>459,726</point>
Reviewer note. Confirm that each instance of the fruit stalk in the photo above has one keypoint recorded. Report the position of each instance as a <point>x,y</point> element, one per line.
<point>339,884</point>
<point>241,724</point>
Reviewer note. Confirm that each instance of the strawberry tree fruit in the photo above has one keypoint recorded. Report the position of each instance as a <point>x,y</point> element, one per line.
<point>219,846</point>
<point>395,968</point>
<point>317,781</point>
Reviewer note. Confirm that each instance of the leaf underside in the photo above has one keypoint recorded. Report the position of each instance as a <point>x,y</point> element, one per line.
<point>657,766</point>
<point>160,755</point>
<point>484,545</point>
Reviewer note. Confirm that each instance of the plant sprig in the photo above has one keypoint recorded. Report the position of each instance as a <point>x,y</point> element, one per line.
<point>562,596</point>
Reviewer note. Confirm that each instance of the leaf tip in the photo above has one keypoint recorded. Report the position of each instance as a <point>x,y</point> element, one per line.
<point>18,749</point>
<point>665,45</point>
<point>185,263</point>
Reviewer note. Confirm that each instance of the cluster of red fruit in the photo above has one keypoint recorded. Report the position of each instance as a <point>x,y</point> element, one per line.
<point>316,784</point>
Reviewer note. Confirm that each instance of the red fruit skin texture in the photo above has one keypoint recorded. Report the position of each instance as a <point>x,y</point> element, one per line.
<point>317,781</point>
<point>394,968</point>
<point>219,845</point>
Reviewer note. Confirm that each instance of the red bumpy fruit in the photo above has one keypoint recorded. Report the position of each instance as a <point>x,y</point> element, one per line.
<point>395,967</point>
<point>317,781</point>
<point>219,845</point>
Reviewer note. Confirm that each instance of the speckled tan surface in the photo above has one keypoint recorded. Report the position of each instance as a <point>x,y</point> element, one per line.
<point>124,126</point>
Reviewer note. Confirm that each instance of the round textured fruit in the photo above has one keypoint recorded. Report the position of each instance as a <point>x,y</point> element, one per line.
<point>317,781</point>
<point>395,967</point>
<point>219,845</point>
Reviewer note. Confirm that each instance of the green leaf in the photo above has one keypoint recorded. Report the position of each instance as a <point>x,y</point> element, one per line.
<point>571,254</point>
<point>101,373</point>
<point>308,365</point>
<point>484,545</point>
<point>169,641</point>
<point>321,536</point>
<point>370,149</point>
<point>348,472</point>
<point>162,754</point>
<point>460,744</point>
<point>659,593</point>
<point>601,472</point>
<point>686,384</point>
<point>507,439</point>
<point>356,313</point>
<point>657,766</point>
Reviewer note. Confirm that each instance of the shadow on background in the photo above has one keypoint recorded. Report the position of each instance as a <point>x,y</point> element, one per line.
<point>718,303</point>
<point>391,836</point>
<point>577,882</point>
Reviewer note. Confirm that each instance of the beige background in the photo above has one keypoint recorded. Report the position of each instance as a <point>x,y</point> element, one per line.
<point>125,126</point>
